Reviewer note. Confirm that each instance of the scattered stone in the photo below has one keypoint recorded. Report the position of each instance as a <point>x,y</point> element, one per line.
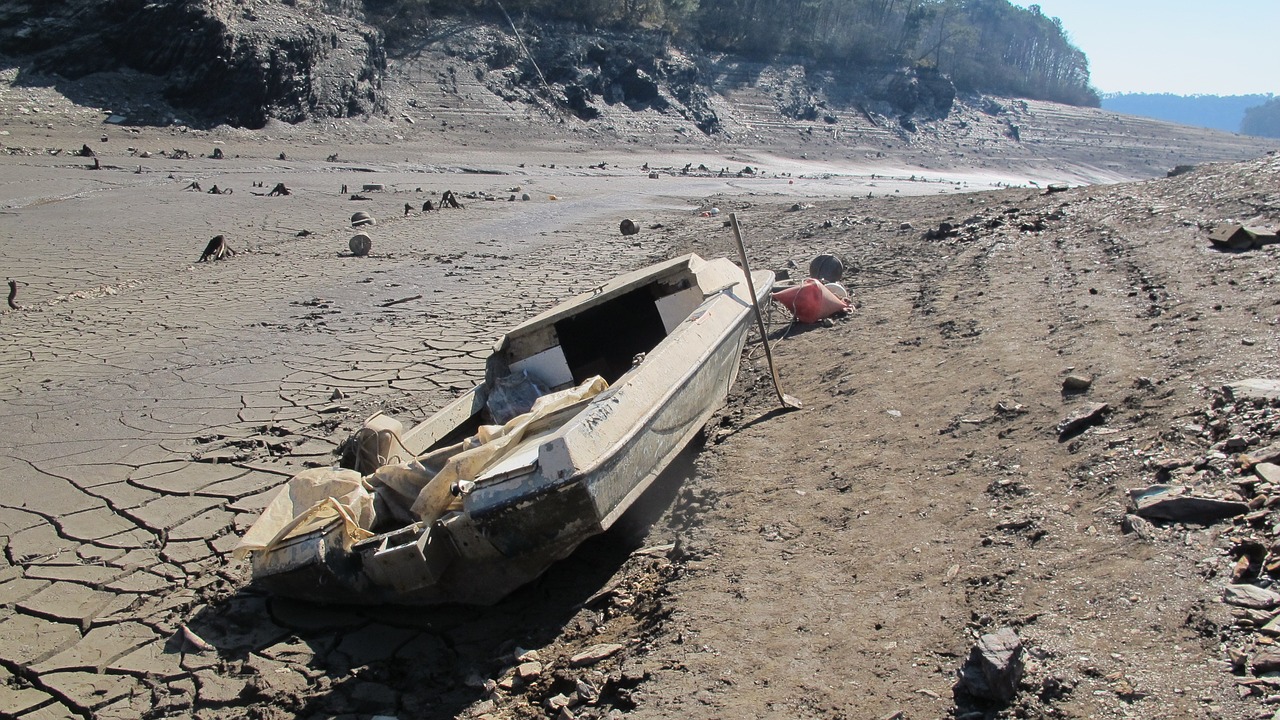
<point>1272,627</point>
<point>594,654</point>
<point>1250,596</point>
<point>1266,662</point>
<point>1139,527</point>
<point>1254,390</point>
<point>1268,472</point>
<point>1268,454</point>
<point>994,667</point>
<point>528,671</point>
<point>1239,238</point>
<point>589,693</point>
<point>1075,384</point>
<point>1080,419</point>
<point>1169,464</point>
<point>1171,502</point>
<point>943,231</point>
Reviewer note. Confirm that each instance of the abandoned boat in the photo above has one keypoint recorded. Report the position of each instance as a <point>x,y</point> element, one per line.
<point>581,408</point>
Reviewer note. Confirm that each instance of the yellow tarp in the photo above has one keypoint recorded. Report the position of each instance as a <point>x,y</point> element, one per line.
<point>312,499</point>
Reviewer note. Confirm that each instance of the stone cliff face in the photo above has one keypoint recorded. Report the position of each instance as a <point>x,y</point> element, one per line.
<point>244,62</point>
<point>236,61</point>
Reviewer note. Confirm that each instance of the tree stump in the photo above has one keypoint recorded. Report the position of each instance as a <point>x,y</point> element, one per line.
<point>216,249</point>
<point>448,199</point>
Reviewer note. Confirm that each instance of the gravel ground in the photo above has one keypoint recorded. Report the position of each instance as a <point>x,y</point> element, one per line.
<point>835,562</point>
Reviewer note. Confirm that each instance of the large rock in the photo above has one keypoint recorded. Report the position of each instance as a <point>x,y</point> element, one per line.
<point>1250,596</point>
<point>1259,390</point>
<point>994,667</point>
<point>1174,503</point>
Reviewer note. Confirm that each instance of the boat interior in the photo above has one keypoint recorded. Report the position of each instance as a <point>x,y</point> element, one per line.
<point>602,336</point>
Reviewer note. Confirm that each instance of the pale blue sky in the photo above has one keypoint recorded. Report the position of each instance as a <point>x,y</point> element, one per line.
<point>1185,47</point>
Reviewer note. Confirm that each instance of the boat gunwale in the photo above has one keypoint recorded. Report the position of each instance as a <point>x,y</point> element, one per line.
<point>642,423</point>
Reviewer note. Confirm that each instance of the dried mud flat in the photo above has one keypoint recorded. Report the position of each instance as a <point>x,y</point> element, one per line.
<point>835,562</point>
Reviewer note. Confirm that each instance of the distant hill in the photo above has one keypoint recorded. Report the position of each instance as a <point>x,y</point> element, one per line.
<point>1216,112</point>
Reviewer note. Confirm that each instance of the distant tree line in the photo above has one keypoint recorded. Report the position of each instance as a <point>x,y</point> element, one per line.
<point>983,45</point>
<point>1263,120</point>
<point>1219,112</point>
<point>1257,114</point>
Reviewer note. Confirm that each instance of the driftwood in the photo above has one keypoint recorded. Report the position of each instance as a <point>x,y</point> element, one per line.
<point>407,209</point>
<point>217,154</point>
<point>448,199</point>
<point>86,151</point>
<point>628,227</point>
<point>215,191</point>
<point>389,303</point>
<point>13,293</point>
<point>194,187</point>
<point>279,189</point>
<point>216,249</point>
<point>427,206</point>
<point>332,158</point>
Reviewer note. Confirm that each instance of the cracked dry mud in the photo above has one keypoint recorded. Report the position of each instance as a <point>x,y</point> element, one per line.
<point>835,562</point>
